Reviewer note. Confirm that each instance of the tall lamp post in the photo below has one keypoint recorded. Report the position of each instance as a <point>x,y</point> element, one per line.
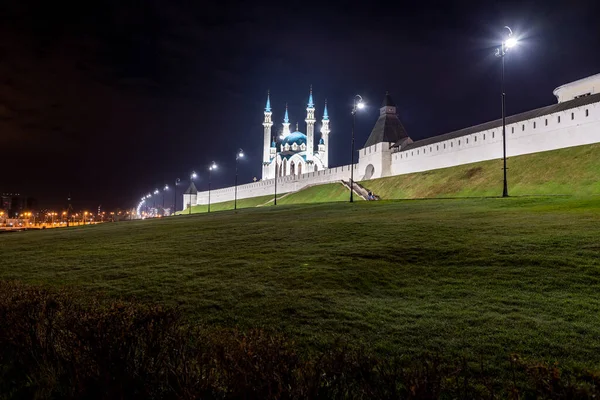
<point>358,105</point>
<point>156,192</point>
<point>509,42</point>
<point>240,154</point>
<point>210,169</point>
<point>275,196</point>
<point>165,189</point>
<point>192,177</point>
<point>175,196</point>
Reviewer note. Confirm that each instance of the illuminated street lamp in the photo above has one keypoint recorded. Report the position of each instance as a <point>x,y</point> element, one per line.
<point>508,43</point>
<point>192,177</point>
<point>210,169</point>
<point>175,197</point>
<point>358,105</point>
<point>240,154</point>
<point>166,188</point>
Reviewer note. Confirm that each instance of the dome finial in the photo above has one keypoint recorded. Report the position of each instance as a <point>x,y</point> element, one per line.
<point>296,127</point>
<point>310,99</point>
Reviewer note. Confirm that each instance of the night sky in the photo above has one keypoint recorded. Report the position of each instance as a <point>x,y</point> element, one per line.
<point>110,99</point>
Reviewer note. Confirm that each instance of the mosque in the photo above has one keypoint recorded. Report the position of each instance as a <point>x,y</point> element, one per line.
<point>295,153</point>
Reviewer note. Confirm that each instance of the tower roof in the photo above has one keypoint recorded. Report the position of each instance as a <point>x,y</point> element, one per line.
<point>191,189</point>
<point>388,127</point>
<point>311,104</point>
<point>325,114</point>
<point>268,106</point>
<point>286,119</point>
<point>387,101</point>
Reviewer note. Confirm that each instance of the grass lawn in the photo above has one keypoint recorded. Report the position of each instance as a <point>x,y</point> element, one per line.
<point>462,277</point>
<point>571,171</point>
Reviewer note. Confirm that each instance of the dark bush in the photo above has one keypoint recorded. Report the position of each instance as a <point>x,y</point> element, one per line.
<point>56,344</point>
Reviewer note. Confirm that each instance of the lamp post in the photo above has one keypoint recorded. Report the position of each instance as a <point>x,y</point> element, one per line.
<point>175,196</point>
<point>156,192</point>
<point>165,189</point>
<point>275,197</point>
<point>501,52</point>
<point>358,105</point>
<point>210,168</point>
<point>192,177</point>
<point>240,154</point>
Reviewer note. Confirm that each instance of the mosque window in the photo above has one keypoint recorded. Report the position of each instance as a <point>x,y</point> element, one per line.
<point>587,113</point>
<point>294,147</point>
<point>412,153</point>
<point>417,152</point>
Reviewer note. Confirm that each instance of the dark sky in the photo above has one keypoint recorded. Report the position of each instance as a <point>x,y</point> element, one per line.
<point>110,99</point>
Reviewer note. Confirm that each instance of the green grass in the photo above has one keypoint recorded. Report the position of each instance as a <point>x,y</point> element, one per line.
<point>572,171</point>
<point>330,192</point>
<point>228,205</point>
<point>460,277</point>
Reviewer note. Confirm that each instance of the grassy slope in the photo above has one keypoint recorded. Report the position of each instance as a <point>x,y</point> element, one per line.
<point>463,276</point>
<point>330,192</point>
<point>315,194</point>
<point>574,170</point>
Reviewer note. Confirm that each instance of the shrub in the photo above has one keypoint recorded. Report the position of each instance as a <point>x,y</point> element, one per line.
<point>57,344</point>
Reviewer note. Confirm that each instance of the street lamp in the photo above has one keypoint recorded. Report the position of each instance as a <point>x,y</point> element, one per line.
<point>156,192</point>
<point>192,177</point>
<point>240,154</point>
<point>358,105</point>
<point>175,196</point>
<point>501,52</point>
<point>210,168</point>
<point>164,190</point>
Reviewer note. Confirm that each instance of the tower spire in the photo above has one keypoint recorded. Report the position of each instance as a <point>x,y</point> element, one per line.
<point>268,106</point>
<point>286,123</point>
<point>310,99</point>
<point>325,114</point>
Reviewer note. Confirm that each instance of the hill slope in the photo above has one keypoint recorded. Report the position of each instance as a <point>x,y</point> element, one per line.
<point>467,276</point>
<point>572,171</point>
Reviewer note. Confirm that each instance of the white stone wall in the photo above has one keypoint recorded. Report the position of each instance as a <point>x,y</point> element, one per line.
<point>374,162</point>
<point>285,184</point>
<point>578,126</point>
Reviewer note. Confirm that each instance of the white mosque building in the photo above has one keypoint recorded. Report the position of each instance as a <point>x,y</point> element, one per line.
<point>389,150</point>
<point>295,153</point>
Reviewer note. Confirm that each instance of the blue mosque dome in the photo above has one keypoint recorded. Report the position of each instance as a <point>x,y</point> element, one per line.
<point>294,137</point>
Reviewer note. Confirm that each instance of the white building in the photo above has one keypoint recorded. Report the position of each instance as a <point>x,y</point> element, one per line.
<point>573,121</point>
<point>295,154</point>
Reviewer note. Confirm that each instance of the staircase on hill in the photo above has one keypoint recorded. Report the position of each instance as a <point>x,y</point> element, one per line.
<point>360,190</point>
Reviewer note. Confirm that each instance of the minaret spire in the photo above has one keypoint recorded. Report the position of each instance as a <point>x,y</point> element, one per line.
<point>267,125</point>
<point>286,123</point>
<point>268,106</point>
<point>310,128</point>
<point>324,142</point>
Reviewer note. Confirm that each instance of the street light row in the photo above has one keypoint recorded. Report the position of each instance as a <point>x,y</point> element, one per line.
<point>212,167</point>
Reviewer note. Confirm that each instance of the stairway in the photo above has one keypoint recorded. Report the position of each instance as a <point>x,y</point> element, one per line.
<point>360,190</point>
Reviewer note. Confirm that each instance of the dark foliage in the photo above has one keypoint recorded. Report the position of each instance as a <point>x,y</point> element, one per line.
<point>56,345</point>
